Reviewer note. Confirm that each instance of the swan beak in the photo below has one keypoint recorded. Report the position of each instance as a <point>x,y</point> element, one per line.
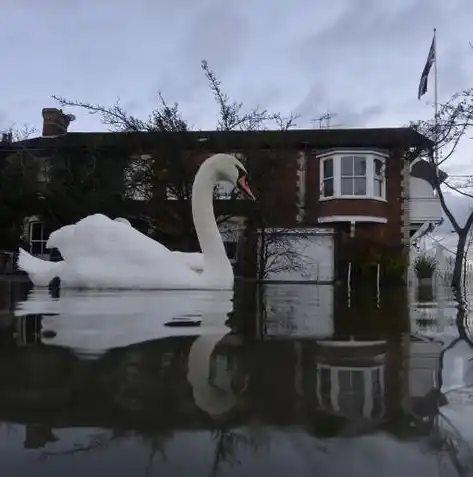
<point>245,188</point>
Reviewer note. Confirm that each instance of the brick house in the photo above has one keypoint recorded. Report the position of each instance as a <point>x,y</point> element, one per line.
<point>340,194</point>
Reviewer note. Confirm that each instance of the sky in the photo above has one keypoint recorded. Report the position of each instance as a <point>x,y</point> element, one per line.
<point>361,60</point>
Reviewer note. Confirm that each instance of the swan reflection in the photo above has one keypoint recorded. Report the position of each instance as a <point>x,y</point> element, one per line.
<point>93,324</point>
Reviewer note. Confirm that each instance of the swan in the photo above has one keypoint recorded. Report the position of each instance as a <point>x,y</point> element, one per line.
<point>101,253</point>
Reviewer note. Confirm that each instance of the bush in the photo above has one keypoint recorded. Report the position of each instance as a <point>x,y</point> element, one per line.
<point>424,266</point>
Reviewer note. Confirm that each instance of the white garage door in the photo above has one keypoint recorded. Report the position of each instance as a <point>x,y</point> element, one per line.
<point>300,255</point>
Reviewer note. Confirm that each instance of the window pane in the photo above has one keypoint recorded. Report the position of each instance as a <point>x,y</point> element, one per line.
<point>36,248</point>
<point>325,382</point>
<point>230,248</point>
<point>360,166</point>
<point>378,188</point>
<point>347,166</point>
<point>328,188</point>
<point>347,186</point>
<point>360,186</point>
<point>328,168</point>
<point>378,167</point>
<point>376,382</point>
<point>36,231</point>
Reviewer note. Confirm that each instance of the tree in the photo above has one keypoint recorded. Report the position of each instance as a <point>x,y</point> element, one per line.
<point>280,249</point>
<point>153,176</point>
<point>83,182</point>
<point>453,122</point>
<point>19,185</point>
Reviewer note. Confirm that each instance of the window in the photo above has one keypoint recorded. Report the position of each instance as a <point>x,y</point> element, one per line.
<point>378,174</point>
<point>353,175</point>
<point>326,388</point>
<point>327,181</point>
<point>223,191</point>
<point>231,249</point>
<point>353,181</point>
<point>38,238</point>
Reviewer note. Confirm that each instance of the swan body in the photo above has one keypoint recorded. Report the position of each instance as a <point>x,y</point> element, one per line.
<point>102,253</point>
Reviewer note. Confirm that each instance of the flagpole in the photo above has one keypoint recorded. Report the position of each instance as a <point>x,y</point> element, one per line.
<point>436,99</point>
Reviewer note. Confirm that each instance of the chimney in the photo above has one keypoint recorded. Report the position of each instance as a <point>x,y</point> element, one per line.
<point>7,137</point>
<point>55,122</point>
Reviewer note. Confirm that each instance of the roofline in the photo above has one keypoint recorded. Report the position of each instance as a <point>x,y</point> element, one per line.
<point>295,138</point>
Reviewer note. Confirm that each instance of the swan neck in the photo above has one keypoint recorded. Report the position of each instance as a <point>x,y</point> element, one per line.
<point>216,262</point>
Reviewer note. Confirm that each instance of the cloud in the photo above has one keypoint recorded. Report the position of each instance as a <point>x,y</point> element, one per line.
<point>360,59</point>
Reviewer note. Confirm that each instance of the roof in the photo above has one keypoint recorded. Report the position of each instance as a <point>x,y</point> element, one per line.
<point>385,138</point>
<point>426,170</point>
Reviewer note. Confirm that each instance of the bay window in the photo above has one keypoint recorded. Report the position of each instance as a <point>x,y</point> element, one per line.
<point>353,175</point>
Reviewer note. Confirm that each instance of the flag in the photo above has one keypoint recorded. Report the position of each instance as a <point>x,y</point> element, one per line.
<point>425,73</point>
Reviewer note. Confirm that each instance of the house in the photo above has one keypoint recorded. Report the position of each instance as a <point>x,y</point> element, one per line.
<point>332,196</point>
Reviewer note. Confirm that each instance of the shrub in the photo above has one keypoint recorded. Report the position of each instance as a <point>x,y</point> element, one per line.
<point>424,266</point>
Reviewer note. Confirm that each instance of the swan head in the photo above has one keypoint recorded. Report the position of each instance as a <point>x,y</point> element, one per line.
<point>229,169</point>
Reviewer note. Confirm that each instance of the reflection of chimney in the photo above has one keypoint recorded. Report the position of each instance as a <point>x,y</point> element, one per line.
<point>55,122</point>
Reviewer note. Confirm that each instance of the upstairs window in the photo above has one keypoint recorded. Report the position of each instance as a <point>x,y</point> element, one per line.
<point>378,178</point>
<point>327,182</point>
<point>352,175</point>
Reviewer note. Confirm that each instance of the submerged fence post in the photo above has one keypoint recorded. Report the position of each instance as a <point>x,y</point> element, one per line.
<point>377,284</point>
<point>349,284</point>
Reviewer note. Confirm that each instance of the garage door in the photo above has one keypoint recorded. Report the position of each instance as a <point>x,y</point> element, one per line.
<point>300,255</point>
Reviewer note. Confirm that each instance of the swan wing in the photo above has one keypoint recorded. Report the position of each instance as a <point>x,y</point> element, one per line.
<point>97,236</point>
<point>195,261</point>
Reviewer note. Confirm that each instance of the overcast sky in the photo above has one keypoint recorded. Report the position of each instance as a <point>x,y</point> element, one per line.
<point>359,59</point>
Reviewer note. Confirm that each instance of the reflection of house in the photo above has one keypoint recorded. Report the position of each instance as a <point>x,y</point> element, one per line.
<point>351,378</point>
<point>422,365</point>
<point>289,310</point>
<point>337,187</point>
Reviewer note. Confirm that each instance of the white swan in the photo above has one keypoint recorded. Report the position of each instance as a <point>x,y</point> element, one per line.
<point>102,253</point>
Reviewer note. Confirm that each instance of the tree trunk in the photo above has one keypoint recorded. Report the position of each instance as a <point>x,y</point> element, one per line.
<point>459,259</point>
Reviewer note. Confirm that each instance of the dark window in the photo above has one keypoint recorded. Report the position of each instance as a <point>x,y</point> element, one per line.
<point>327,188</point>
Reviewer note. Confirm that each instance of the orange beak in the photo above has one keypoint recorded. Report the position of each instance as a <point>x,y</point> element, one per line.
<point>245,188</point>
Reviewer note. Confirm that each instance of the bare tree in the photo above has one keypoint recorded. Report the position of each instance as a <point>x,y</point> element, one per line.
<point>161,176</point>
<point>280,249</point>
<point>232,115</point>
<point>19,184</point>
<point>452,125</point>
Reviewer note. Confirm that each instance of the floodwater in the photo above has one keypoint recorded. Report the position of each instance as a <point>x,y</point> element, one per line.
<point>278,380</point>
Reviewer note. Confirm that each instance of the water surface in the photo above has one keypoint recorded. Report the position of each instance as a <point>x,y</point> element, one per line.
<point>280,380</point>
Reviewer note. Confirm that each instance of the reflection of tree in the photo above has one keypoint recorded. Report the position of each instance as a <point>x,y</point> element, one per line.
<point>228,444</point>
<point>103,440</point>
<point>451,444</point>
<point>462,316</point>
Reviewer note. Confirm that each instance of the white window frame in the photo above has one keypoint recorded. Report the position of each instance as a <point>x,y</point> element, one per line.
<point>42,241</point>
<point>370,157</point>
